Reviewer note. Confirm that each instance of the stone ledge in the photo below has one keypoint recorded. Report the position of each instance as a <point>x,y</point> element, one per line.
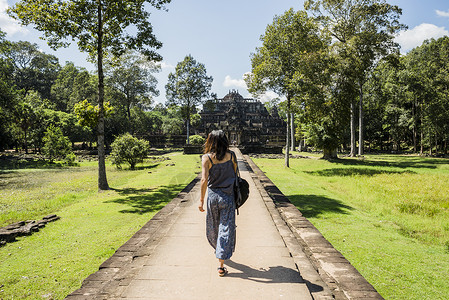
<point>114,274</point>
<point>336,271</point>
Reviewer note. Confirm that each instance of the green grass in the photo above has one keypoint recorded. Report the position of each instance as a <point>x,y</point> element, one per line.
<point>52,263</point>
<point>387,214</point>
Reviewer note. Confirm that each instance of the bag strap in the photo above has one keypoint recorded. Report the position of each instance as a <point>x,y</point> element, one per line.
<point>237,171</point>
<point>237,174</point>
<point>208,155</point>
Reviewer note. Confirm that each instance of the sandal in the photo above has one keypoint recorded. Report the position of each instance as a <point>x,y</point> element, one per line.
<point>222,271</point>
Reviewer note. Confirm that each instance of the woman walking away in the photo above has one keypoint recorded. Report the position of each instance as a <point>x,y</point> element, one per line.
<point>218,176</point>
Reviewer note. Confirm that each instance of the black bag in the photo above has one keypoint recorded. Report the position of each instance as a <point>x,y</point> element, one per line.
<point>241,189</point>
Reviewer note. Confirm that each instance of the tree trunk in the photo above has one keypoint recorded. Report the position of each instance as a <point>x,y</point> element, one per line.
<point>415,132</point>
<point>188,130</point>
<point>445,146</point>
<point>421,152</point>
<point>436,144</point>
<point>352,153</point>
<point>361,121</point>
<point>25,141</point>
<point>287,146</point>
<point>188,124</point>
<point>329,153</point>
<point>422,133</point>
<point>102,180</point>
<point>292,128</point>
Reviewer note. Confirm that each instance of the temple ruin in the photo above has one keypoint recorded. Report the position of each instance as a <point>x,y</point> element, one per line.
<point>246,121</point>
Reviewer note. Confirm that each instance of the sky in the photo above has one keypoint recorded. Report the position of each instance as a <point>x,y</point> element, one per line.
<point>223,34</point>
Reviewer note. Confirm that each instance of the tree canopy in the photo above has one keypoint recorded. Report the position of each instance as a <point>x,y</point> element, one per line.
<point>99,27</point>
<point>188,87</point>
<point>280,63</point>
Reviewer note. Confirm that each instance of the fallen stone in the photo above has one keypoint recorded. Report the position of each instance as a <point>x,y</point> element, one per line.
<point>15,225</point>
<point>50,217</point>
<point>9,233</point>
<point>7,236</point>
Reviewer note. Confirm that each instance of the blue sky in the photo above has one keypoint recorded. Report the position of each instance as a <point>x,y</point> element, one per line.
<point>223,34</point>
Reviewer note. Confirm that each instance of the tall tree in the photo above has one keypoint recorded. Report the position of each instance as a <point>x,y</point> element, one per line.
<point>277,63</point>
<point>31,68</point>
<point>62,89</point>
<point>131,80</point>
<point>8,99</point>
<point>188,87</point>
<point>364,31</point>
<point>99,26</point>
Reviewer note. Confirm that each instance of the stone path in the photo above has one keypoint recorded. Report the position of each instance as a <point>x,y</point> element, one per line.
<point>170,257</point>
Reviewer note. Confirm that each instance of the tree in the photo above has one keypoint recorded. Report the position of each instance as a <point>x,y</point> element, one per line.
<point>99,26</point>
<point>146,122</point>
<point>31,68</point>
<point>364,31</point>
<point>279,60</point>
<point>132,82</point>
<point>88,114</point>
<point>129,149</point>
<point>56,145</point>
<point>25,118</point>
<point>70,87</point>
<point>8,99</point>
<point>188,87</point>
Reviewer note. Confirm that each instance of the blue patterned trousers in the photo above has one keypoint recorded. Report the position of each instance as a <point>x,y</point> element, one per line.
<point>220,222</point>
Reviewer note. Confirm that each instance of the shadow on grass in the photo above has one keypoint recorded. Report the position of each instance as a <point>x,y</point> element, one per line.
<point>314,205</point>
<point>11,164</point>
<point>355,172</point>
<point>398,162</point>
<point>141,201</point>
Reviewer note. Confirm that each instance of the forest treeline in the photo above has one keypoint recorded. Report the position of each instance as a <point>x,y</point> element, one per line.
<point>38,92</point>
<point>405,103</point>
<point>346,83</point>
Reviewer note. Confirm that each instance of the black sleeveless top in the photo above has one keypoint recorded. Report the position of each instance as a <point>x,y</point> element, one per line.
<point>222,175</point>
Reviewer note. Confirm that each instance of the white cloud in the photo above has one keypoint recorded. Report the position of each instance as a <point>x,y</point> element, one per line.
<point>8,24</point>
<point>267,96</point>
<point>229,82</point>
<point>409,39</point>
<point>165,65</point>
<point>442,13</point>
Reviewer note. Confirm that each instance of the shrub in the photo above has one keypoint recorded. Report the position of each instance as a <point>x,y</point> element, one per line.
<point>56,145</point>
<point>196,140</point>
<point>129,149</point>
<point>70,159</point>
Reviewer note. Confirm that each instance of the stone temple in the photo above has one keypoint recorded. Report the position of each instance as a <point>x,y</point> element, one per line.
<point>246,121</point>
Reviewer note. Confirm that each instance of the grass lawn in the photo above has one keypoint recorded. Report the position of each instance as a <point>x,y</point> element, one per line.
<point>52,263</point>
<point>387,214</point>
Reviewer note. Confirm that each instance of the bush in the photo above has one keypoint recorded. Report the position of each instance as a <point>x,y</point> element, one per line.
<point>56,145</point>
<point>70,159</point>
<point>196,140</point>
<point>129,149</point>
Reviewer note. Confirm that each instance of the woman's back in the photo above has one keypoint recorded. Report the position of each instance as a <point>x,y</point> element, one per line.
<point>221,173</point>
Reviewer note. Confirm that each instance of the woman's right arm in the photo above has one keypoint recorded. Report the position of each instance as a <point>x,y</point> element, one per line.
<point>204,177</point>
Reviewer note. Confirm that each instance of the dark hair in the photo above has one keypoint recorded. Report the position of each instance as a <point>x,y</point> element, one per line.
<point>217,143</point>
